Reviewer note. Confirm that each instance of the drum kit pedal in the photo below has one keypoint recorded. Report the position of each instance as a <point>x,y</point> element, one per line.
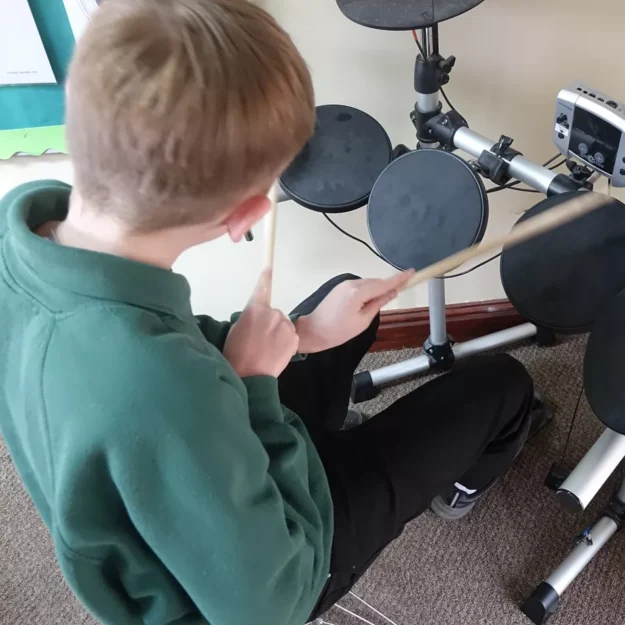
<point>426,204</point>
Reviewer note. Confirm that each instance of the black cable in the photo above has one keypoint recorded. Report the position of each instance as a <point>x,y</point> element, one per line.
<point>511,187</point>
<point>416,39</point>
<point>354,238</point>
<point>568,438</point>
<point>562,162</point>
<point>449,104</point>
<point>553,158</point>
<point>464,273</point>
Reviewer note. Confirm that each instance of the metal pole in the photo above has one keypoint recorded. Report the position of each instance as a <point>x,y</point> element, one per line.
<point>579,489</point>
<point>438,323</point>
<point>536,176</point>
<point>427,102</point>
<point>426,41</point>
<point>493,341</point>
<point>580,557</point>
<point>420,364</point>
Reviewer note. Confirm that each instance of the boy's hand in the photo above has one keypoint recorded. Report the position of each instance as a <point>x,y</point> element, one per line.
<point>263,341</point>
<point>346,312</point>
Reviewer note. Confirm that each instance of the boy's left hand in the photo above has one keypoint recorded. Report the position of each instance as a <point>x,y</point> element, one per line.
<point>346,312</point>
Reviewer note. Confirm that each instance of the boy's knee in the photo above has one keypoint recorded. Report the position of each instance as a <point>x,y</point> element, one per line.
<point>344,277</point>
<point>503,369</point>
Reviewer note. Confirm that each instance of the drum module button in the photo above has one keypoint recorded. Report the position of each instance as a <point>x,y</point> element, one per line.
<point>612,103</point>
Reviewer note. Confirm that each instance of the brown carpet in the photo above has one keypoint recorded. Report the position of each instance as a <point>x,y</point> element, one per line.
<point>473,572</point>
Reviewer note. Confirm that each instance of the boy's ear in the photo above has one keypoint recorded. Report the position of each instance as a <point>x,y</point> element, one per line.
<point>246,215</point>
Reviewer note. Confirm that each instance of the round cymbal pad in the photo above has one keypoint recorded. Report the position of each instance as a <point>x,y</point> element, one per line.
<point>403,14</point>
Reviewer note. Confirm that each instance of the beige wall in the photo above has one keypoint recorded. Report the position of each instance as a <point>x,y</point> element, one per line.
<point>513,56</point>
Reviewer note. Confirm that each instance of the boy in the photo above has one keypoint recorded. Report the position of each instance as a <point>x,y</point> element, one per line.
<point>163,450</point>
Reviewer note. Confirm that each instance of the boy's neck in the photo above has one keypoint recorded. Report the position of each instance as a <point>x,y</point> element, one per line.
<point>88,229</point>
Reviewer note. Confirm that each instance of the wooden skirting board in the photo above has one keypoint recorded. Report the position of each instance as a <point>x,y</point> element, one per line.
<point>411,327</point>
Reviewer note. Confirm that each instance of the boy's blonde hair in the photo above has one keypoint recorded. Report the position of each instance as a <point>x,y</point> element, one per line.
<point>179,109</point>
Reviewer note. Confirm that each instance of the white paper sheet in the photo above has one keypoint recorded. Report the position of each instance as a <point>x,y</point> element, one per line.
<point>23,59</point>
<point>79,12</point>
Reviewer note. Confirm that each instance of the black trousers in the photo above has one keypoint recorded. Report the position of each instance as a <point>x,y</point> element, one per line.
<point>466,426</point>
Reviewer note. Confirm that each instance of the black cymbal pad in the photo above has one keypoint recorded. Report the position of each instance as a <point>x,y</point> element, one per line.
<point>403,14</point>
<point>604,374</point>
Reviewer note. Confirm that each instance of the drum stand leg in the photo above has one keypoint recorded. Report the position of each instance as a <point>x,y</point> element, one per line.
<point>440,351</point>
<point>586,479</point>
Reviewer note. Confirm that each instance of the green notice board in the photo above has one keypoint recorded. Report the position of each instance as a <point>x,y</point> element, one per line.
<point>32,116</point>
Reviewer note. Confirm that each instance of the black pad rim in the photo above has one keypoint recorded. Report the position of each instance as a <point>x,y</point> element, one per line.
<point>402,15</point>
<point>363,139</point>
<point>422,175</point>
<point>603,366</point>
<point>566,310</point>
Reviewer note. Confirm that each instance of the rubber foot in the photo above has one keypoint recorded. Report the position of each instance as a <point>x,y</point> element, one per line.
<point>545,337</point>
<point>542,604</point>
<point>363,388</point>
<point>557,476</point>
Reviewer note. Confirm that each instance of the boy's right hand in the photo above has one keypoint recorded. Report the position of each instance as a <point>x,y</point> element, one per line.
<point>263,341</point>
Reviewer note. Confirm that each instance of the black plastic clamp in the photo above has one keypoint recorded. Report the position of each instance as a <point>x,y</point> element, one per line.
<point>432,73</point>
<point>495,163</point>
<point>442,128</point>
<point>421,120</point>
<point>399,150</point>
<point>440,357</point>
<point>616,511</point>
<point>565,184</point>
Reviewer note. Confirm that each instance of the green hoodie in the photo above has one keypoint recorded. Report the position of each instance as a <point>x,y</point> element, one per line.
<point>175,492</point>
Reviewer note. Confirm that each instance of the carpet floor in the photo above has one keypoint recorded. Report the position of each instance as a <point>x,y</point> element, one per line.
<point>472,572</point>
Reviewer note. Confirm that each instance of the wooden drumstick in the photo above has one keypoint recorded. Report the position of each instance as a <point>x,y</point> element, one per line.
<point>570,210</point>
<point>270,238</point>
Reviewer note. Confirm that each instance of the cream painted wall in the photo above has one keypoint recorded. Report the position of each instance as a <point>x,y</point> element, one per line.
<point>513,57</point>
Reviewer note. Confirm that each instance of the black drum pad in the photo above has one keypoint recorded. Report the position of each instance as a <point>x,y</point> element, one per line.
<point>403,14</point>
<point>604,374</point>
<point>338,167</point>
<point>564,278</point>
<point>425,206</point>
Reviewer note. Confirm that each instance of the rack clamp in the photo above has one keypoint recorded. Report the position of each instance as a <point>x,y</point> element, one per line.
<point>442,127</point>
<point>580,174</point>
<point>494,163</point>
<point>430,75</point>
